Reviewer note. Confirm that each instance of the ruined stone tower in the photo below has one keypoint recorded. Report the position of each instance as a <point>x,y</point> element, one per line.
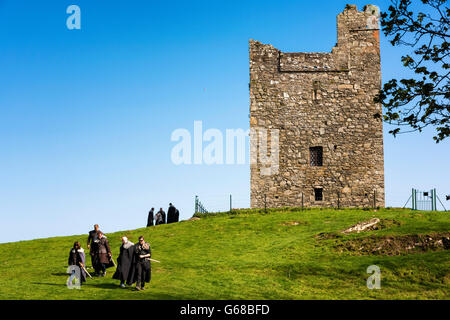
<point>321,107</point>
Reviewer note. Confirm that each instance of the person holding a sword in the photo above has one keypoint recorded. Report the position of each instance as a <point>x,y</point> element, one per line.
<point>142,253</point>
<point>77,258</point>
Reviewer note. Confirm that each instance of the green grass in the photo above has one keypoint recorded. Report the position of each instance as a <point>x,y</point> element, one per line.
<point>245,255</point>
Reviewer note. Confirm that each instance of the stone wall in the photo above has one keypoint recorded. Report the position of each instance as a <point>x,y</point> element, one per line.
<point>321,99</point>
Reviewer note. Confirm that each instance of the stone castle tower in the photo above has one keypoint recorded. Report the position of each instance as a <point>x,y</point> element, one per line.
<point>320,108</point>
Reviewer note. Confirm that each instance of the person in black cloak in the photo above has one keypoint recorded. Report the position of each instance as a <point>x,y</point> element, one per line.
<point>160,216</point>
<point>77,258</point>
<point>171,213</point>
<point>91,242</point>
<point>125,263</point>
<point>150,218</point>
<point>142,256</point>
<point>177,215</point>
<point>163,214</point>
<point>102,255</point>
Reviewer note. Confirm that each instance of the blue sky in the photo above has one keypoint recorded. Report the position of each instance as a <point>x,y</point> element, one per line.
<point>86,115</point>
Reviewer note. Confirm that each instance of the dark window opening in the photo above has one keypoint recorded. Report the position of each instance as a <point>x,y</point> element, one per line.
<point>318,194</point>
<point>316,86</point>
<point>316,156</point>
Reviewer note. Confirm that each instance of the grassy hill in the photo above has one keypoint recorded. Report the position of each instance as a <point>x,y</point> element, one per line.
<point>282,254</point>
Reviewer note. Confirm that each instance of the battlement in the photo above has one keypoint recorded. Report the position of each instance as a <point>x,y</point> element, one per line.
<point>352,19</point>
<point>357,40</point>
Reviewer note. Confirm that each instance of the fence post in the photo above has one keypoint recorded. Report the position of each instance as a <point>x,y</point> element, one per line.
<point>196,204</point>
<point>374,199</point>
<point>230,204</point>
<point>265,203</point>
<point>302,203</point>
<point>433,199</point>
<point>339,199</point>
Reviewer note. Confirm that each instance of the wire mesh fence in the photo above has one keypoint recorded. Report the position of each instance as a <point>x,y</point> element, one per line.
<point>424,200</point>
<point>208,203</point>
<point>205,203</point>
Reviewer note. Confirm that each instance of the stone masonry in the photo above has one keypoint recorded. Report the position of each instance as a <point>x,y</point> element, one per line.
<point>321,101</point>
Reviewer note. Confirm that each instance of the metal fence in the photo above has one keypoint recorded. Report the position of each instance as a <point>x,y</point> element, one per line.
<point>420,200</point>
<point>220,203</point>
<point>424,200</point>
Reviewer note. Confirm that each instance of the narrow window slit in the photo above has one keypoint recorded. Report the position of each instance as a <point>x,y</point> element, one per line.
<point>316,85</point>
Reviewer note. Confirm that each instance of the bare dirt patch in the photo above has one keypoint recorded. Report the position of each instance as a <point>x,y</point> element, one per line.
<point>387,223</point>
<point>326,236</point>
<point>396,245</point>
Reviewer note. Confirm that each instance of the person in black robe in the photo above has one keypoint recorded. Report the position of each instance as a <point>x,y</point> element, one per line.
<point>102,255</point>
<point>171,213</point>
<point>125,263</point>
<point>177,216</point>
<point>77,258</point>
<point>142,256</point>
<point>160,217</point>
<point>163,214</point>
<point>91,242</point>
<point>150,218</point>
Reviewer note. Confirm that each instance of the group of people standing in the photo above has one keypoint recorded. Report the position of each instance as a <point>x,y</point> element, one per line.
<point>133,263</point>
<point>173,215</point>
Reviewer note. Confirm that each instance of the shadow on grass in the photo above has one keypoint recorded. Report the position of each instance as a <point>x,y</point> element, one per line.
<point>148,293</point>
<point>110,286</point>
<point>51,284</point>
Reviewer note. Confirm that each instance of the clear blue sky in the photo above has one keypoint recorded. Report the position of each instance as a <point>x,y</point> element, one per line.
<point>86,115</point>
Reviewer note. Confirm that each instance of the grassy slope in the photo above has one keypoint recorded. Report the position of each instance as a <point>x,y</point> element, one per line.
<point>243,256</point>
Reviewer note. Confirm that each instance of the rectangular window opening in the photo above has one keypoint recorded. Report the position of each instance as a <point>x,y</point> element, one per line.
<point>316,156</point>
<point>318,194</point>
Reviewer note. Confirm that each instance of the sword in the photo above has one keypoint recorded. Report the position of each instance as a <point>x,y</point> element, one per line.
<point>155,260</point>
<point>87,272</point>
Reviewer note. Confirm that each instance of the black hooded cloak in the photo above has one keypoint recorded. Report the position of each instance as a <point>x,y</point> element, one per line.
<point>125,264</point>
<point>171,214</point>
<point>150,219</point>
